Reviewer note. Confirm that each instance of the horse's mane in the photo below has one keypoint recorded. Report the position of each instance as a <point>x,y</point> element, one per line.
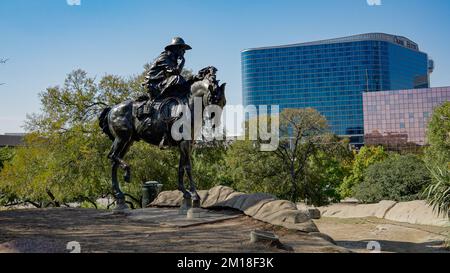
<point>204,74</point>
<point>197,86</point>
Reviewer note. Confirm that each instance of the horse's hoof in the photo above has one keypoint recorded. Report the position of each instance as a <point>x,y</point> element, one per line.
<point>187,195</point>
<point>121,207</point>
<point>195,196</point>
<point>196,203</point>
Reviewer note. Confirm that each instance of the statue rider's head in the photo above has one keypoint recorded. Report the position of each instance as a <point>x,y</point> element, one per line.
<point>178,46</point>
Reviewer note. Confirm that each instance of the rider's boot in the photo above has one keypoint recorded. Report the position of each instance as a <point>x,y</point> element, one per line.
<point>144,125</point>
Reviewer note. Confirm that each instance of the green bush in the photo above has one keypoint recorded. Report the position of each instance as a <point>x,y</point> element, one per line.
<point>437,158</point>
<point>6,154</point>
<point>366,157</point>
<point>398,178</point>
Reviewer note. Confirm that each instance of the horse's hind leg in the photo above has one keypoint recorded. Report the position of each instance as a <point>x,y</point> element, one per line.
<point>123,164</point>
<point>119,148</point>
<point>118,152</point>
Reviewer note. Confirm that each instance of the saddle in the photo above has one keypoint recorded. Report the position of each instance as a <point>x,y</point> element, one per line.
<point>167,105</point>
<point>160,113</point>
<point>165,109</point>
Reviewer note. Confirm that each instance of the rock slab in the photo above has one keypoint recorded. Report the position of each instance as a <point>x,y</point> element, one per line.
<point>415,212</point>
<point>264,207</point>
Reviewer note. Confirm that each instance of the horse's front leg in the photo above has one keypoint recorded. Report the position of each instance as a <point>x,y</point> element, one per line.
<point>181,168</point>
<point>187,147</point>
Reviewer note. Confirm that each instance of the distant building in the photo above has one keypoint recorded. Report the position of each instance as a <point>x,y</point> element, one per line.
<point>11,140</point>
<point>398,119</point>
<point>331,76</point>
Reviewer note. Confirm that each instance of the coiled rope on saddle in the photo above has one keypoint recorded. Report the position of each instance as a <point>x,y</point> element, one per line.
<point>163,103</point>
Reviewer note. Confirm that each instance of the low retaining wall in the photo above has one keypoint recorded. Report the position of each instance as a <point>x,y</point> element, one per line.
<point>263,207</point>
<point>414,212</point>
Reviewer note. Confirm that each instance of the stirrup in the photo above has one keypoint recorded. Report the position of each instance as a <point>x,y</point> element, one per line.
<point>144,124</point>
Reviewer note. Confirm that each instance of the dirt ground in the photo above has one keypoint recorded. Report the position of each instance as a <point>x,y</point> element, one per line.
<point>355,234</point>
<point>50,230</point>
<point>162,230</point>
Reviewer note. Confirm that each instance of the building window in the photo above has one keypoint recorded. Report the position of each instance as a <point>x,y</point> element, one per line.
<point>402,125</point>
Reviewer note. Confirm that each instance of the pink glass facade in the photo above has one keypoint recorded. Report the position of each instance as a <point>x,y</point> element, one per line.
<point>399,118</point>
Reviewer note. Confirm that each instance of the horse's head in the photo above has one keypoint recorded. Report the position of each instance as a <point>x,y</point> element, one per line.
<point>208,87</point>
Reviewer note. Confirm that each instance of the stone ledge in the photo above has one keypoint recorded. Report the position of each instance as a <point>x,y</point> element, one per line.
<point>414,212</point>
<point>263,207</point>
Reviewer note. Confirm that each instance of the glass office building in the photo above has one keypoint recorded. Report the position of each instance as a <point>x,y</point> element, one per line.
<point>398,119</point>
<point>331,76</point>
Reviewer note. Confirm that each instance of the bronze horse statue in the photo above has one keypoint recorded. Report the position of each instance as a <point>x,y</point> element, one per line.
<point>124,125</point>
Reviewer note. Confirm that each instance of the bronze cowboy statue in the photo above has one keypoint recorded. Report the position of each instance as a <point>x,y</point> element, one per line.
<point>164,76</point>
<point>165,72</point>
<point>151,119</point>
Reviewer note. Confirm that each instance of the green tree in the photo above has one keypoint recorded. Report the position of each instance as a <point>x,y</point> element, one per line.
<point>306,166</point>
<point>209,165</point>
<point>438,136</point>
<point>28,176</point>
<point>251,170</point>
<point>366,157</point>
<point>326,172</point>
<point>437,157</point>
<point>398,178</point>
<point>6,154</point>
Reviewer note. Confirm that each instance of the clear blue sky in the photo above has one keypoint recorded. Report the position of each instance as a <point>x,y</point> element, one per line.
<point>46,39</point>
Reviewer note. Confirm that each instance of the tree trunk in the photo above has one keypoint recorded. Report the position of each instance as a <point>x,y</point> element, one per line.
<point>294,190</point>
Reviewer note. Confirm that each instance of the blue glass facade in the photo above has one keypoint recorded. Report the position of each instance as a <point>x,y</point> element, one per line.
<point>332,75</point>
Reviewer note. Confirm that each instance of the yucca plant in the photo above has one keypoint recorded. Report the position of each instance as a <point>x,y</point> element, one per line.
<point>438,192</point>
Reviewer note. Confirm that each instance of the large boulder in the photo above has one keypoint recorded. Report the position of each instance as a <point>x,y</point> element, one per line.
<point>416,212</point>
<point>216,195</point>
<point>347,210</point>
<point>261,206</point>
<point>168,199</point>
<point>314,212</point>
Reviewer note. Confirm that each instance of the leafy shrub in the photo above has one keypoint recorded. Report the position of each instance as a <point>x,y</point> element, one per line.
<point>438,192</point>
<point>437,158</point>
<point>6,154</point>
<point>366,157</point>
<point>398,178</point>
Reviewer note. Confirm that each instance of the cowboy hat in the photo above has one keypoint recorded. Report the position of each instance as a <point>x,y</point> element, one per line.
<point>178,42</point>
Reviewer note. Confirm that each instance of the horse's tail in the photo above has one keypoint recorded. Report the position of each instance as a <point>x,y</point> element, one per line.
<point>103,122</point>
